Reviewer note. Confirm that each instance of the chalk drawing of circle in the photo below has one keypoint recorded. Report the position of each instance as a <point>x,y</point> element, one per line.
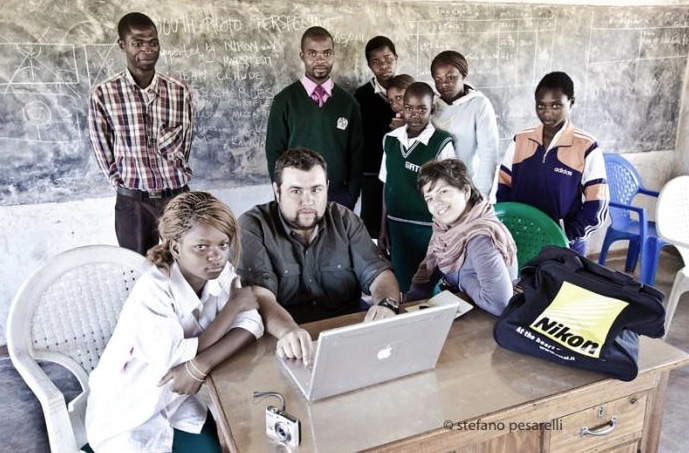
<point>36,112</point>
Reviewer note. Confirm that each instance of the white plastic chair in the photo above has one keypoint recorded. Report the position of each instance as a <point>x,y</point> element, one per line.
<point>65,312</point>
<point>672,224</point>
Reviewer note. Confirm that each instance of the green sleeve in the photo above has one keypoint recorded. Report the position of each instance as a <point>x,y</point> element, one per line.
<point>355,154</point>
<point>277,135</point>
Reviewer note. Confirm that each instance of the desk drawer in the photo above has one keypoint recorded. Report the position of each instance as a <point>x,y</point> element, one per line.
<point>600,427</point>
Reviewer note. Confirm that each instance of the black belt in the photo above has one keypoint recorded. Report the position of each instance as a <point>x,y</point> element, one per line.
<point>151,194</point>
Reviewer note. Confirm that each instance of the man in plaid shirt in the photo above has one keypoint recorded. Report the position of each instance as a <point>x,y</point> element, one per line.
<point>140,124</point>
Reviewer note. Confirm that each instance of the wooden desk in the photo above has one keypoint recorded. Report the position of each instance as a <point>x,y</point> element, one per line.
<point>475,380</point>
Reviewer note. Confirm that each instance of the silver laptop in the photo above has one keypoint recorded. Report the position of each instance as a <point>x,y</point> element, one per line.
<point>352,357</point>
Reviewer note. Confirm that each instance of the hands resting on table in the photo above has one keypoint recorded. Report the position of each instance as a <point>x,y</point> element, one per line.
<point>297,343</point>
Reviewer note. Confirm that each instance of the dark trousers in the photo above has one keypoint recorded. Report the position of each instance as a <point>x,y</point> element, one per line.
<point>183,442</point>
<point>204,442</point>
<point>579,247</point>
<point>371,204</point>
<point>136,222</point>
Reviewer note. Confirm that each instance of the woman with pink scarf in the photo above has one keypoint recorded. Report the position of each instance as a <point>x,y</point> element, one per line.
<point>471,250</point>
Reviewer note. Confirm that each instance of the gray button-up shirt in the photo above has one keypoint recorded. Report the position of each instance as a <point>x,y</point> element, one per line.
<point>315,281</point>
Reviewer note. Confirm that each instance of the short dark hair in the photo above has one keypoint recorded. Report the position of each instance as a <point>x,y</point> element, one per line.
<point>300,158</point>
<point>557,80</point>
<point>453,171</point>
<point>452,58</point>
<point>419,89</point>
<point>133,20</point>
<point>401,81</point>
<point>379,42</point>
<point>315,33</point>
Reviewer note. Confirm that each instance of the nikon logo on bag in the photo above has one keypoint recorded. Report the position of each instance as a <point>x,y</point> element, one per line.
<point>579,319</point>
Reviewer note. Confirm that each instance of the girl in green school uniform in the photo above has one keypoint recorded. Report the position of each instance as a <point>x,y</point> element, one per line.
<point>406,224</point>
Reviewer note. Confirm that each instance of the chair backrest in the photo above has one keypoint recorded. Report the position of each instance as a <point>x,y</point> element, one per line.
<point>672,215</point>
<point>65,312</point>
<point>623,183</point>
<point>531,229</point>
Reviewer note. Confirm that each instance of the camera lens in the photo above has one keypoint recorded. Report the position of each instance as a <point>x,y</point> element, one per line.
<point>282,432</point>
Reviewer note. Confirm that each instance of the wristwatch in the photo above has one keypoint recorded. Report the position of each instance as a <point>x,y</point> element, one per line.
<point>390,303</point>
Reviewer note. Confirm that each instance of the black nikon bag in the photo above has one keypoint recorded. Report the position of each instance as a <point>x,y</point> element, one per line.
<point>577,313</point>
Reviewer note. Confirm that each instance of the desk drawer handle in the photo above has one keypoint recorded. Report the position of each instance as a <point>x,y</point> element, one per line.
<point>602,430</point>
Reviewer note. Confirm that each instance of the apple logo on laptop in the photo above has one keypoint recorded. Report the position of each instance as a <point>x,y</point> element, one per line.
<point>385,353</point>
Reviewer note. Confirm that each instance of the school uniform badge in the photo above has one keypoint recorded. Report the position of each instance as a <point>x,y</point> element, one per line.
<point>342,123</point>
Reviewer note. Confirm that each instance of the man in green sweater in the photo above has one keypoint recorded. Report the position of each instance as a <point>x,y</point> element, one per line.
<point>315,113</point>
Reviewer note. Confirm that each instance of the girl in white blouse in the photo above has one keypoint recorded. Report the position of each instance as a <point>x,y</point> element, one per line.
<point>185,315</point>
<point>468,115</point>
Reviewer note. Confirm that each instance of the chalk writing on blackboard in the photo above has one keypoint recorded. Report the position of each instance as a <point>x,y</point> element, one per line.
<point>627,63</point>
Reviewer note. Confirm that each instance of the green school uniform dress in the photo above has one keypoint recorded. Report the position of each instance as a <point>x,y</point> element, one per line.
<point>409,222</point>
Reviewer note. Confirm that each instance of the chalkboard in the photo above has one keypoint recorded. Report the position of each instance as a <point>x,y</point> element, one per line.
<point>627,64</point>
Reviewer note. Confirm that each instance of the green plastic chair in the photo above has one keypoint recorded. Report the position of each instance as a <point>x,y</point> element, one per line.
<point>531,229</point>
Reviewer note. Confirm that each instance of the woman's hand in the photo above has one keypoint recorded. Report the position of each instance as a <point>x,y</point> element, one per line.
<point>181,380</point>
<point>243,299</point>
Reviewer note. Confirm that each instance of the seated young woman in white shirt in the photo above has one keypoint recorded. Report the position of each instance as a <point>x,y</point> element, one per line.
<point>185,315</point>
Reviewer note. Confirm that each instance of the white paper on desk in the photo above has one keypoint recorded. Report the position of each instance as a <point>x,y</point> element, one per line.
<point>444,298</point>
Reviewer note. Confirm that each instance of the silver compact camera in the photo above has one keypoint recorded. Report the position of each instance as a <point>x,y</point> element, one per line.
<point>282,427</point>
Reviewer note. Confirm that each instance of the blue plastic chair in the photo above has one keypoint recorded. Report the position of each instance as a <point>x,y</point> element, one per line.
<point>625,184</point>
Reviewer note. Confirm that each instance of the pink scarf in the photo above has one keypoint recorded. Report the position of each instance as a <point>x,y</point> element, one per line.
<point>447,248</point>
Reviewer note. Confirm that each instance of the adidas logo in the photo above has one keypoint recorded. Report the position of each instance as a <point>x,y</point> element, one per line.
<point>563,171</point>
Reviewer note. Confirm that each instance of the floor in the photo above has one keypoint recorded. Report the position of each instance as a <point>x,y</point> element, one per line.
<point>23,430</point>
<point>674,436</point>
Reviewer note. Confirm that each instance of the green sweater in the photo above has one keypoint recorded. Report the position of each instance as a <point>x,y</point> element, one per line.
<point>402,198</point>
<point>334,131</point>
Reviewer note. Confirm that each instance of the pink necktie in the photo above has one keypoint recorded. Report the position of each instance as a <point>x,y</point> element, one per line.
<point>318,95</point>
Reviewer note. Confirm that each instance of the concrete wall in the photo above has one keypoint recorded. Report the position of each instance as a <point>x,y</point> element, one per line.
<point>29,234</point>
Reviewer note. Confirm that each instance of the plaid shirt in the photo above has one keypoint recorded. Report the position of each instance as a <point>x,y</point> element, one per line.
<point>142,137</point>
